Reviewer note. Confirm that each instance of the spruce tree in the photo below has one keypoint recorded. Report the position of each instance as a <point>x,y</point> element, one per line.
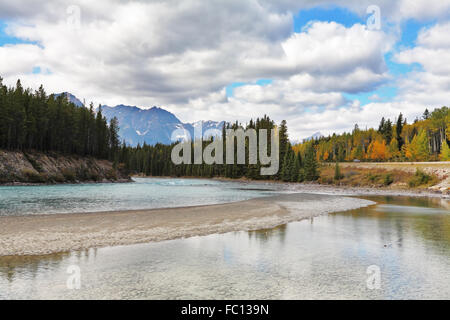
<point>337,172</point>
<point>398,131</point>
<point>311,167</point>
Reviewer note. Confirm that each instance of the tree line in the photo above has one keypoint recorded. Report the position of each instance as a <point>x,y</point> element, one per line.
<point>425,139</point>
<point>156,160</point>
<point>34,121</point>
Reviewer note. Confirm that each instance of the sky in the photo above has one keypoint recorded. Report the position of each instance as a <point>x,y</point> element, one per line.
<point>321,65</point>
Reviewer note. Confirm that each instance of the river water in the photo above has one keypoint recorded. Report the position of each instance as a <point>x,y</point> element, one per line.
<point>143,193</point>
<point>397,249</point>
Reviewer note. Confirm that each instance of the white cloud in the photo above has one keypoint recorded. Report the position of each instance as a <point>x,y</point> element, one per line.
<point>181,54</point>
<point>430,86</point>
<point>331,48</point>
<point>19,59</point>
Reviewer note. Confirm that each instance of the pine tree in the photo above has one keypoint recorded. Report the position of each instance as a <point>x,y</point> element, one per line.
<point>295,171</point>
<point>113,137</point>
<point>284,141</point>
<point>398,131</point>
<point>311,167</point>
<point>286,165</point>
<point>35,121</point>
<point>337,172</point>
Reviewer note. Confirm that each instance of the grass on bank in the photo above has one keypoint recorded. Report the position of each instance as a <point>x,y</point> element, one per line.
<point>334,174</point>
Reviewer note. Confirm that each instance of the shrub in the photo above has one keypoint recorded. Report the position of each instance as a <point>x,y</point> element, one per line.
<point>420,178</point>
<point>372,177</point>
<point>111,174</point>
<point>33,162</point>
<point>388,179</point>
<point>32,176</point>
<point>337,172</point>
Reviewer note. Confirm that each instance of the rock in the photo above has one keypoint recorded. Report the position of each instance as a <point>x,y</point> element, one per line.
<point>36,167</point>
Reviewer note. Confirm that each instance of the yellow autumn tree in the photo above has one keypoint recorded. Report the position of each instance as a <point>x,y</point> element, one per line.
<point>394,153</point>
<point>418,149</point>
<point>377,150</point>
<point>445,152</point>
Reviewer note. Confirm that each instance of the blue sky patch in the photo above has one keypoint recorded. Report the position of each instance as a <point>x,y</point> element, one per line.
<point>6,38</point>
<point>261,82</point>
<point>340,15</point>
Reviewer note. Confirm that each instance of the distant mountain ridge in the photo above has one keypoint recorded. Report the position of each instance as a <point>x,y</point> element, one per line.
<point>316,135</point>
<point>71,98</point>
<point>150,126</point>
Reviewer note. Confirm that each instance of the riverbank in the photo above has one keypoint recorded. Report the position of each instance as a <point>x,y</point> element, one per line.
<point>33,168</point>
<point>344,190</point>
<point>45,234</point>
<point>430,179</point>
<point>336,189</point>
<point>407,176</point>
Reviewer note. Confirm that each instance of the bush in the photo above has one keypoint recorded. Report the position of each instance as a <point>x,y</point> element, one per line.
<point>32,176</point>
<point>420,178</point>
<point>388,180</point>
<point>111,174</point>
<point>34,163</point>
<point>337,172</point>
<point>372,177</point>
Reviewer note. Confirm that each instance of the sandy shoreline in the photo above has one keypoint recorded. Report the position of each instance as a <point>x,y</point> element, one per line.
<point>362,191</point>
<point>46,234</point>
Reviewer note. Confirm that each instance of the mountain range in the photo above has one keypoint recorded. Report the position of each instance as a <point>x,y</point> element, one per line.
<point>152,126</point>
<point>315,136</point>
<point>71,98</point>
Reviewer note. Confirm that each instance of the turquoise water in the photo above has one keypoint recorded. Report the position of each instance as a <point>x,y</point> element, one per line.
<point>143,193</point>
<point>328,257</point>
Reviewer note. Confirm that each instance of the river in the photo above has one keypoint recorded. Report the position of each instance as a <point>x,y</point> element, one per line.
<point>397,249</point>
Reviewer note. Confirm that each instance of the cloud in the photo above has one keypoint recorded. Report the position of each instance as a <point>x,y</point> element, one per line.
<point>182,54</point>
<point>391,11</point>
<point>19,59</point>
<point>431,86</point>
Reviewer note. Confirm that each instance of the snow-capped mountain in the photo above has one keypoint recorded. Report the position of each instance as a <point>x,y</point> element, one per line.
<point>209,128</point>
<point>154,125</point>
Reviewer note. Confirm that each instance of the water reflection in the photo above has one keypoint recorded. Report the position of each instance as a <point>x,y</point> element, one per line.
<point>265,235</point>
<point>426,218</point>
<point>325,259</point>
